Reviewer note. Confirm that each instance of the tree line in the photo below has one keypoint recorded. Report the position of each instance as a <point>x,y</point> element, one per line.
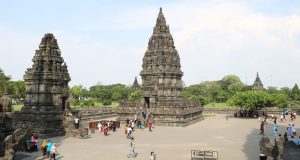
<point>229,89</point>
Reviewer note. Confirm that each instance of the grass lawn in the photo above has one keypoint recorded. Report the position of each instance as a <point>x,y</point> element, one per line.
<point>17,107</point>
<point>218,105</point>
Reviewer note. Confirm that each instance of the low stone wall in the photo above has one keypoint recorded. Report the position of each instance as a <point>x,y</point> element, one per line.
<point>276,111</point>
<point>89,114</point>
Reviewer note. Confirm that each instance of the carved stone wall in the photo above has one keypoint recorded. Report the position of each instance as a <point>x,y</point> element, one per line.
<point>161,82</point>
<point>46,91</point>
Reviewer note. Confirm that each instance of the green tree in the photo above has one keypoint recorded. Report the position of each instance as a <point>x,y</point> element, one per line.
<point>136,95</point>
<point>258,99</point>
<point>77,91</point>
<point>3,81</point>
<point>295,92</point>
<point>228,80</point>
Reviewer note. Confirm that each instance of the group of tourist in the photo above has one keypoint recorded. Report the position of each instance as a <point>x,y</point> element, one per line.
<point>243,113</point>
<point>105,126</point>
<point>290,133</point>
<point>129,128</point>
<point>49,149</point>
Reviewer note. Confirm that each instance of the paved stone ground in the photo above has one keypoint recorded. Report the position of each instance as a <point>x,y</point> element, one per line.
<point>233,138</point>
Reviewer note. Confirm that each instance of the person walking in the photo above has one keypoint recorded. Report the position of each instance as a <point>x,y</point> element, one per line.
<point>289,130</point>
<point>53,151</point>
<point>150,125</point>
<point>99,125</point>
<point>294,130</point>
<point>49,146</point>
<point>132,152</point>
<point>275,119</point>
<point>152,156</point>
<point>274,129</point>
<point>129,132</point>
<point>44,148</point>
<point>105,130</point>
<point>262,128</point>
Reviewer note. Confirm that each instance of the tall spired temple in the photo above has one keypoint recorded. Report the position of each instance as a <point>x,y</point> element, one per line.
<point>257,85</point>
<point>46,91</point>
<point>161,81</point>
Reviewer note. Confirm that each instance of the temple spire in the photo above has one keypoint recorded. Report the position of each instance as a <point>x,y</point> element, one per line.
<point>161,24</point>
<point>135,86</point>
<point>257,85</point>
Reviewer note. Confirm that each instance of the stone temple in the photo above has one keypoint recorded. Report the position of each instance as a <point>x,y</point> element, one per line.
<point>46,91</point>
<point>257,85</point>
<point>162,84</point>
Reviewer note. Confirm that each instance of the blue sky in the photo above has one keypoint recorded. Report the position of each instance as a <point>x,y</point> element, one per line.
<point>104,41</point>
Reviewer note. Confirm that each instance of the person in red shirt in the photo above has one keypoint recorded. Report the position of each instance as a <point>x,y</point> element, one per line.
<point>150,125</point>
<point>262,128</point>
<point>105,129</point>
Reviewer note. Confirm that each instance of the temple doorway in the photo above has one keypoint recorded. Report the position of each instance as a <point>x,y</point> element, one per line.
<point>63,103</point>
<point>147,102</point>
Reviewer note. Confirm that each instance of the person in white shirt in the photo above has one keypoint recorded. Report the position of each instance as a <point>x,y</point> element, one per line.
<point>129,132</point>
<point>76,121</point>
<point>152,156</point>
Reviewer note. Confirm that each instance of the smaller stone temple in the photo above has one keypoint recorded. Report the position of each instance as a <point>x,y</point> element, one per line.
<point>135,86</point>
<point>257,85</point>
<point>162,84</point>
<point>46,91</point>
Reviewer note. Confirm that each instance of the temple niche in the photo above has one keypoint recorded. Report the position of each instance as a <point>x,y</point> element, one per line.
<point>161,82</point>
<point>257,85</point>
<point>46,91</point>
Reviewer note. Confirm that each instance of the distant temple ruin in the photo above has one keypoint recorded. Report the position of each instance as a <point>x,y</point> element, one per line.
<point>135,86</point>
<point>257,85</point>
<point>46,92</point>
<point>162,84</point>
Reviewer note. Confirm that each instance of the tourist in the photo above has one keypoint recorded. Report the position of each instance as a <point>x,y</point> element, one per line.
<point>295,115</point>
<point>132,149</point>
<point>105,130</point>
<point>129,132</point>
<point>152,156</point>
<point>76,122</point>
<point>289,130</point>
<point>99,125</point>
<point>44,148</point>
<point>33,143</point>
<point>132,125</point>
<point>114,126</point>
<point>275,119</point>
<point>49,146</point>
<point>135,118</point>
<point>274,129</point>
<point>294,130</point>
<point>292,116</point>
<point>126,129</point>
<point>285,136</point>
<point>53,151</point>
<point>150,125</point>
<point>262,128</point>
<point>108,124</point>
<point>139,123</point>
<point>127,121</point>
